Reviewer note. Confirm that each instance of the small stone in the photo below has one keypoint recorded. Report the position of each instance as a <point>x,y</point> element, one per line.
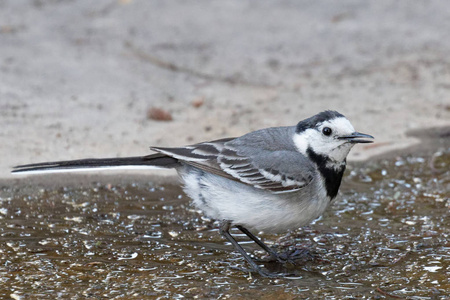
<point>198,102</point>
<point>159,114</point>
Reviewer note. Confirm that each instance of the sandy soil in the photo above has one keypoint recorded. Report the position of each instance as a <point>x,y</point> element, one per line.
<point>77,78</point>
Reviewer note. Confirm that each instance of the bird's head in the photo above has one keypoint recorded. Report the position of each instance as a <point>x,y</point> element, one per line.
<point>328,134</point>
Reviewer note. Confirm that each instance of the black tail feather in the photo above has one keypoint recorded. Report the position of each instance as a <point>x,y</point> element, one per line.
<point>155,160</point>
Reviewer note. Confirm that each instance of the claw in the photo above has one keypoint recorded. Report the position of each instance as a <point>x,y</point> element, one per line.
<point>283,258</point>
<point>290,256</point>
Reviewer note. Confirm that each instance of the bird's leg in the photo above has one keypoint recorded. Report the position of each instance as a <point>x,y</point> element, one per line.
<point>289,256</point>
<point>224,230</point>
<point>273,254</point>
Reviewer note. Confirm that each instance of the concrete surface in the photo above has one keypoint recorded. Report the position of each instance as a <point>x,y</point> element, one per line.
<point>78,77</point>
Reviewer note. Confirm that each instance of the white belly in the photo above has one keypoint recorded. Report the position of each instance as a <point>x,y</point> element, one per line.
<point>223,199</point>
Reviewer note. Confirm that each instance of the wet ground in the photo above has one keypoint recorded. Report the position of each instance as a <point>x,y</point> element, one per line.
<point>386,236</point>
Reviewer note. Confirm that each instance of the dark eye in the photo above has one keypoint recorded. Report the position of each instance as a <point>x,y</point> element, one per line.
<point>327,131</point>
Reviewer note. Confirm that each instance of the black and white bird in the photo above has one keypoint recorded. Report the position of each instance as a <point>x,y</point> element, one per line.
<point>269,180</point>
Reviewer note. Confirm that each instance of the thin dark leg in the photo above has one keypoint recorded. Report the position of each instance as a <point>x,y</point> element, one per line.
<point>272,253</point>
<point>224,230</point>
<point>290,256</point>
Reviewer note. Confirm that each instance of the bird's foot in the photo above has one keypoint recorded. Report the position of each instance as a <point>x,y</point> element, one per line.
<point>295,255</point>
<point>291,256</point>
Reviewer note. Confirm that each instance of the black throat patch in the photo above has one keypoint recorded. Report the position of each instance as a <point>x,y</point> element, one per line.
<point>332,176</point>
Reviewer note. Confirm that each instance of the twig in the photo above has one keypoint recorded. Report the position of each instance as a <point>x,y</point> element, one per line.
<point>388,295</point>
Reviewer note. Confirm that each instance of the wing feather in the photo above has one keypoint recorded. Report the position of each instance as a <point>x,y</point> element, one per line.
<point>278,171</point>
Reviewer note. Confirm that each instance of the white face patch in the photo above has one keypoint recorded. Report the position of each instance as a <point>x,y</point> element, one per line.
<point>303,140</point>
<point>331,146</point>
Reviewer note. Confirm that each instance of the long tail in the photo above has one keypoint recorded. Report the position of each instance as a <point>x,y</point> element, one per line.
<point>150,161</point>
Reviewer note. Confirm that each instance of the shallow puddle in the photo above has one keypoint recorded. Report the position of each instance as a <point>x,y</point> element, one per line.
<point>386,236</point>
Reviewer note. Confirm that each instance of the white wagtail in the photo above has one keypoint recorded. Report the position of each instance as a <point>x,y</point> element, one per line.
<point>269,180</point>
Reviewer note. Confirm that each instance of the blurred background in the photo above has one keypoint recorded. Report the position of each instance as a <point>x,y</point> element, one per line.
<point>110,78</point>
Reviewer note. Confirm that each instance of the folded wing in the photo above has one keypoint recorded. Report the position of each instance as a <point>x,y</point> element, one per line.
<point>277,171</point>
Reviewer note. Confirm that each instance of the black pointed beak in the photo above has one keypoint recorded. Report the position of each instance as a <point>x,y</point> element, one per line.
<point>357,137</point>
